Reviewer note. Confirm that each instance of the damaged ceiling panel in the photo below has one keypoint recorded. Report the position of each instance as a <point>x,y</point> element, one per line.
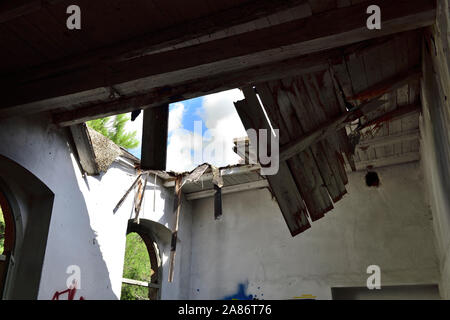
<point>325,117</point>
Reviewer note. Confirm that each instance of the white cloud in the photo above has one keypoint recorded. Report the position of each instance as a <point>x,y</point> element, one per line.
<point>215,146</point>
<point>220,117</point>
<point>176,116</point>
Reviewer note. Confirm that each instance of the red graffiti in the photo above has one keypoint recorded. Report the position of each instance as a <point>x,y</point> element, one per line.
<point>70,293</point>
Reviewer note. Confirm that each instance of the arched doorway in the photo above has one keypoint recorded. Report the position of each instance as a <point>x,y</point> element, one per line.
<point>7,239</point>
<point>142,266</point>
<point>27,205</point>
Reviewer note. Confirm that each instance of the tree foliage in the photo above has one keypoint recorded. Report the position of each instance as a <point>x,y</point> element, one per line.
<point>114,129</point>
<point>137,267</point>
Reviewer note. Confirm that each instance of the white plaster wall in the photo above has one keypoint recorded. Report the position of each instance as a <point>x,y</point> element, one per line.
<point>388,226</point>
<point>84,231</point>
<point>435,132</point>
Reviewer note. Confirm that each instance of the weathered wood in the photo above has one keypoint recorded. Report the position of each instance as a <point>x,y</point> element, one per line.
<point>179,91</point>
<point>10,10</point>
<point>389,85</point>
<point>167,38</point>
<point>389,140</point>
<point>393,115</point>
<point>307,174</point>
<point>85,149</point>
<point>330,29</point>
<point>331,127</point>
<point>259,184</point>
<point>173,245</point>
<point>154,138</point>
<point>388,161</point>
<point>141,283</point>
<point>119,204</point>
<point>282,184</point>
<point>217,202</point>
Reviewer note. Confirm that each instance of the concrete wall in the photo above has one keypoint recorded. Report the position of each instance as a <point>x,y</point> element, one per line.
<point>435,131</point>
<point>83,230</point>
<point>250,252</point>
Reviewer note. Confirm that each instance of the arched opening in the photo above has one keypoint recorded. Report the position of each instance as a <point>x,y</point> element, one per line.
<point>27,205</point>
<point>7,239</point>
<point>141,278</point>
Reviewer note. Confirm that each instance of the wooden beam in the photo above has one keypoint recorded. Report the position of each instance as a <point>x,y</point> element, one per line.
<point>332,126</point>
<point>389,140</point>
<point>282,184</point>
<point>331,29</point>
<point>173,35</point>
<point>391,84</point>
<point>10,10</point>
<point>85,149</point>
<point>399,113</point>
<point>241,169</point>
<point>141,283</point>
<point>228,189</point>
<point>190,89</point>
<point>388,161</point>
<point>154,138</point>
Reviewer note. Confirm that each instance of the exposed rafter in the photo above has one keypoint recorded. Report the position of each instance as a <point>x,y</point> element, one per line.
<point>302,36</point>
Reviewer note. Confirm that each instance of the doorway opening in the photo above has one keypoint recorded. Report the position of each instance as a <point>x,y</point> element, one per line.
<point>142,267</point>
<point>6,240</point>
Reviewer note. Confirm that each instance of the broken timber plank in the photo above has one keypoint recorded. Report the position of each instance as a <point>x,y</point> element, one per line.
<point>326,129</point>
<point>303,167</point>
<point>85,149</point>
<point>154,138</point>
<point>173,245</point>
<point>282,184</point>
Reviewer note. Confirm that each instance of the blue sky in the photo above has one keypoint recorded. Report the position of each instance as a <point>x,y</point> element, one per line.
<point>219,122</point>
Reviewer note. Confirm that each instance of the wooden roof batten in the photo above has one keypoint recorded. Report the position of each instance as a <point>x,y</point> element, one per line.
<point>160,72</point>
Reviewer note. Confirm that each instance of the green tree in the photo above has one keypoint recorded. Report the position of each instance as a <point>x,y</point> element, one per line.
<point>114,129</point>
<point>136,267</point>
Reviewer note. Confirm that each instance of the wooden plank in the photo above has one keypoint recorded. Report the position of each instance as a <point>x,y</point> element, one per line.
<point>393,115</point>
<point>307,172</point>
<point>217,202</point>
<point>382,87</point>
<point>389,140</point>
<point>10,10</point>
<point>85,149</point>
<point>173,35</point>
<point>179,91</point>
<point>333,125</point>
<point>173,245</point>
<point>154,138</point>
<point>141,283</point>
<point>388,161</point>
<point>330,127</point>
<point>242,187</point>
<point>302,36</point>
<point>282,184</point>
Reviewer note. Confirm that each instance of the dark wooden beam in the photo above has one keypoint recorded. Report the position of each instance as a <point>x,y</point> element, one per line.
<point>154,138</point>
<point>327,30</point>
<point>166,38</point>
<point>10,10</point>
<point>396,114</point>
<point>194,88</point>
<point>393,83</point>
